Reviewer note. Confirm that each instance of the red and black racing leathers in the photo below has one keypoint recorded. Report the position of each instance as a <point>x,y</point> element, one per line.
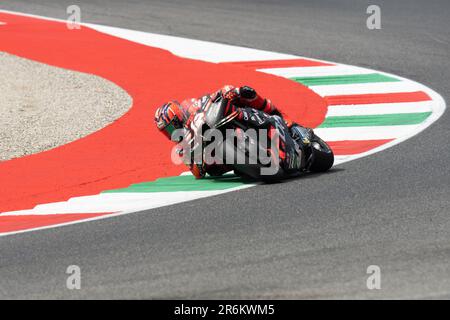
<point>250,106</point>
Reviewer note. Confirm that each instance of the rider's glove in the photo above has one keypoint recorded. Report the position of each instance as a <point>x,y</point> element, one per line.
<point>230,93</point>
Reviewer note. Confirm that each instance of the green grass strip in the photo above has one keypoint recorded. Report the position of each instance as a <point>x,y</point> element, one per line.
<point>344,79</point>
<point>395,119</point>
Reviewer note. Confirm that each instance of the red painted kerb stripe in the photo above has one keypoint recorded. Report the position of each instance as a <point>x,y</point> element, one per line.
<point>415,96</point>
<point>355,146</point>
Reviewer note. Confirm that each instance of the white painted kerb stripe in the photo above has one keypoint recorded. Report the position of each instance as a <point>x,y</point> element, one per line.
<point>115,202</point>
<point>323,71</point>
<point>365,133</point>
<point>365,88</point>
<point>379,108</point>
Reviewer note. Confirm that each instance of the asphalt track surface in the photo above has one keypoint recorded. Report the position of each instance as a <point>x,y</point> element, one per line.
<point>312,237</point>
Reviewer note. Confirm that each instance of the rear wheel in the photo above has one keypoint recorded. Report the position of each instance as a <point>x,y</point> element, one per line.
<point>322,155</point>
<point>251,167</point>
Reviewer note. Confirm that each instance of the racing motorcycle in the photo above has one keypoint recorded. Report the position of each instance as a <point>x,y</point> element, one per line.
<point>315,156</point>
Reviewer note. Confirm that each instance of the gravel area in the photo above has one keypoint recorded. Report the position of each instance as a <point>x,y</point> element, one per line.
<point>42,107</point>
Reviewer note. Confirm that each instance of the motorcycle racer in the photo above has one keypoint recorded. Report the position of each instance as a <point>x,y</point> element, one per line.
<point>251,107</point>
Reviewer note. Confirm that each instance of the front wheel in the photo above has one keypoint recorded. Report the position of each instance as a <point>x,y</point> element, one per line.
<point>322,155</point>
